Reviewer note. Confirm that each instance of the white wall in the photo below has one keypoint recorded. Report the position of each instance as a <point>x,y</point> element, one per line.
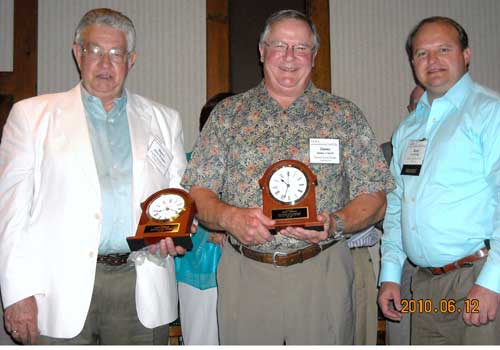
<point>6,35</point>
<point>171,55</point>
<point>369,62</point>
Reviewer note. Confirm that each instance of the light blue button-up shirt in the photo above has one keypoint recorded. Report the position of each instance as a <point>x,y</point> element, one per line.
<point>110,138</point>
<point>447,212</point>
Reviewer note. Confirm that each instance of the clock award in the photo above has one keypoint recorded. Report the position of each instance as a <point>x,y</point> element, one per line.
<point>166,213</point>
<point>289,196</point>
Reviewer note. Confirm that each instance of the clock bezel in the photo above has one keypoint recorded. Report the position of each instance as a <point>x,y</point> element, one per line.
<point>172,218</point>
<point>293,202</point>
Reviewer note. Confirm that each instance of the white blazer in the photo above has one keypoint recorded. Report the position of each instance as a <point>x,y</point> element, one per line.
<point>51,208</point>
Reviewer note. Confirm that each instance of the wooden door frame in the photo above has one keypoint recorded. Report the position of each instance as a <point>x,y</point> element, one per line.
<point>21,83</point>
<point>218,45</point>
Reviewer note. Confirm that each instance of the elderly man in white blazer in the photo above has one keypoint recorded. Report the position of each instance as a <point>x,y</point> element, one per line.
<point>74,168</point>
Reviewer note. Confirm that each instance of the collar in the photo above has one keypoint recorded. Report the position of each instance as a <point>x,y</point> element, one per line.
<point>262,91</point>
<point>455,95</point>
<point>93,103</point>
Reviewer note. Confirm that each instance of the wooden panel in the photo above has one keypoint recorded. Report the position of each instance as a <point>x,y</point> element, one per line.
<point>218,67</point>
<point>319,11</point>
<point>6,102</point>
<point>21,82</point>
<point>25,48</point>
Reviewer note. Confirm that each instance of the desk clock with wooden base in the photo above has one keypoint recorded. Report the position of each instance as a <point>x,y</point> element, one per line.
<point>289,196</point>
<point>166,213</point>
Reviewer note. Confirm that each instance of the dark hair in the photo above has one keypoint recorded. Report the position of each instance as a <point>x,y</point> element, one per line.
<point>210,104</point>
<point>462,35</point>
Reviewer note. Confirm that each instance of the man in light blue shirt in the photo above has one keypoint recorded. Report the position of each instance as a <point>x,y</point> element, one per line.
<point>444,214</point>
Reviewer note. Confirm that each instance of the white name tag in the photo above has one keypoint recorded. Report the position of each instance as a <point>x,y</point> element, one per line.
<point>414,157</point>
<point>158,156</point>
<point>326,151</point>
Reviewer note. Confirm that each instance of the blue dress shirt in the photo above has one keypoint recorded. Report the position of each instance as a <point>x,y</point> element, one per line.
<point>110,138</point>
<point>447,211</point>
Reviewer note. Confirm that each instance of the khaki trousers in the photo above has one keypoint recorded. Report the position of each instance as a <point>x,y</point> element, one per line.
<point>112,317</point>
<point>435,328</point>
<point>398,333</point>
<point>366,297</point>
<point>307,303</point>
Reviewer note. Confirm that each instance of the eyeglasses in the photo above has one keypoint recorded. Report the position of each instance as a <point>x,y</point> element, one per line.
<point>95,53</point>
<point>280,47</point>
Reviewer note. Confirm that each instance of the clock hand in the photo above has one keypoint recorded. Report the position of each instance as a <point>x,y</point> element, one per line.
<point>287,185</point>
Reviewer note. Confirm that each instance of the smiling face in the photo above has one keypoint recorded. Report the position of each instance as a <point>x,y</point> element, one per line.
<point>438,58</point>
<point>102,77</point>
<point>287,74</point>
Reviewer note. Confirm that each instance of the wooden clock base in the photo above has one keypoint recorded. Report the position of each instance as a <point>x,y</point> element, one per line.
<point>137,243</point>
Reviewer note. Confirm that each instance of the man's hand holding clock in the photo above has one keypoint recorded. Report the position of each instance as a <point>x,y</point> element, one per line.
<point>333,228</point>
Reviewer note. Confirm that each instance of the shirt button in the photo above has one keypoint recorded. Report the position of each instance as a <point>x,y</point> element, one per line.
<point>414,228</point>
<point>91,254</point>
<point>97,216</point>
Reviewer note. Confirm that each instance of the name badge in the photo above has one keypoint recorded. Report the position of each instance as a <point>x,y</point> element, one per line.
<point>158,156</point>
<point>326,151</point>
<point>414,157</point>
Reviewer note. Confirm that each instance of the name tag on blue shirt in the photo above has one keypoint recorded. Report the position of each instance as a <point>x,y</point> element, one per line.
<point>414,157</point>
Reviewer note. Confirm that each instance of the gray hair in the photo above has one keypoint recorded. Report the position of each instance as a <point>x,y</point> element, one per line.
<point>289,14</point>
<point>108,17</point>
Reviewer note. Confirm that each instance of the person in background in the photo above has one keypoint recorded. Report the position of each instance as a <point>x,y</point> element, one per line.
<point>196,273</point>
<point>444,214</point>
<point>398,332</point>
<point>295,287</point>
<point>74,168</point>
<point>365,247</point>
<point>415,95</point>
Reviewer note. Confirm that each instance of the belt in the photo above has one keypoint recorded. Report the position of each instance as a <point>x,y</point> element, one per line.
<point>113,259</point>
<point>467,261</point>
<point>283,259</point>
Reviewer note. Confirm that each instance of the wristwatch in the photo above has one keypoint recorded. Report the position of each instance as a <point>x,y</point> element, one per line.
<point>339,225</point>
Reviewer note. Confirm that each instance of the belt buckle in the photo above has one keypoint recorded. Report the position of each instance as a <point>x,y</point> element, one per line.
<point>275,254</point>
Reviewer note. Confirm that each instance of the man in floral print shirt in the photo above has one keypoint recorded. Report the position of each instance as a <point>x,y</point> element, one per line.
<point>295,303</point>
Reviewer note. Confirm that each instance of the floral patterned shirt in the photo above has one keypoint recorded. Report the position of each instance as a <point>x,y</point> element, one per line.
<point>247,133</point>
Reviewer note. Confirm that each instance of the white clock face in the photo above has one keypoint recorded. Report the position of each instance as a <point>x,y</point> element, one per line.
<point>288,184</point>
<point>166,207</point>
